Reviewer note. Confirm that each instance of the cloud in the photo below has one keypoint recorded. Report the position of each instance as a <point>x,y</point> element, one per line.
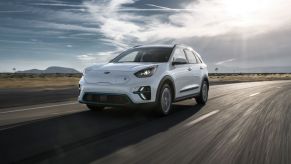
<point>122,26</point>
<point>17,41</point>
<point>87,57</point>
<point>115,25</point>
<point>12,11</point>
<point>64,27</point>
<point>56,4</point>
<point>207,18</point>
<point>160,7</point>
<point>100,57</point>
<point>224,61</point>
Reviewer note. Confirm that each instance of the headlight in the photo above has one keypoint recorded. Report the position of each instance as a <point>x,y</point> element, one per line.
<point>147,72</point>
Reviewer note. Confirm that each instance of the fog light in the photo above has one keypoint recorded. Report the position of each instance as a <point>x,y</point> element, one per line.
<point>144,92</point>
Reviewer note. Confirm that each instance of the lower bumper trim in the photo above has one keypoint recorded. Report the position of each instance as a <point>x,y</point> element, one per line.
<point>102,98</point>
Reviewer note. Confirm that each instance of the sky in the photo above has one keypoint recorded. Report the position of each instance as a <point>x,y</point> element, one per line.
<point>233,35</point>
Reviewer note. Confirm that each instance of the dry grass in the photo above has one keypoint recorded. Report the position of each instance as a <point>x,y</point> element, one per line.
<point>38,81</point>
<point>67,80</point>
<point>248,77</point>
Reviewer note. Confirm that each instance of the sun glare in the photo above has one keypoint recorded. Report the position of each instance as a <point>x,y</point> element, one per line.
<point>247,11</point>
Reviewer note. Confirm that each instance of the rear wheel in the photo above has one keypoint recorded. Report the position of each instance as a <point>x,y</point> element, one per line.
<point>164,103</point>
<point>203,96</point>
<point>95,107</point>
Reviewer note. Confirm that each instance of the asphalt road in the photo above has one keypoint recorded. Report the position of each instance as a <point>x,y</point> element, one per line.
<point>34,96</point>
<point>241,123</point>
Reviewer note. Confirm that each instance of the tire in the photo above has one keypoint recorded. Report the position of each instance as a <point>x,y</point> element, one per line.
<point>203,95</point>
<point>95,107</point>
<point>164,103</point>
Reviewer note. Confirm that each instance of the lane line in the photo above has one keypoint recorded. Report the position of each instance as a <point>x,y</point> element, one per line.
<point>41,107</point>
<point>254,94</point>
<point>202,118</point>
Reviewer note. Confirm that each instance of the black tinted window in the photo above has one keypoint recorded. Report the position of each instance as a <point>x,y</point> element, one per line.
<point>191,57</point>
<point>149,54</point>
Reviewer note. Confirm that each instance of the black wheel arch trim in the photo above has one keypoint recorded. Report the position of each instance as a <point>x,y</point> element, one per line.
<point>162,82</point>
<point>205,77</point>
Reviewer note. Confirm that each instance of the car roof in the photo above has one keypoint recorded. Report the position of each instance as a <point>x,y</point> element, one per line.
<point>162,45</point>
<point>149,46</point>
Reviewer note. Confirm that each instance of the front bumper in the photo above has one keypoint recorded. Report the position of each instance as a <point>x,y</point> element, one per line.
<point>105,99</point>
<point>112,100</point>
<point>143,92</point>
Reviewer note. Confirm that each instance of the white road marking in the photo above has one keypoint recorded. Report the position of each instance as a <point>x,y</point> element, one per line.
<point>254,94</point>
<point>202,118</point>
<point>41,107</point>
<point>236,137</point>
<point>248,111</point>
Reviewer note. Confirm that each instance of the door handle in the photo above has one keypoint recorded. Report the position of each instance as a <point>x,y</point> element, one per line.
<point>201,67</point>
<point>189,69</point>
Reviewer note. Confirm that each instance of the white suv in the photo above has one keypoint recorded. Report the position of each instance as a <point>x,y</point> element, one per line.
<point>146,75</point>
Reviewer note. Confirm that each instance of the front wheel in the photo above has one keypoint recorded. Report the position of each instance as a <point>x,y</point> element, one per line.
<point>203,95</point>
<point>164,103</point>
<point>95,107</point>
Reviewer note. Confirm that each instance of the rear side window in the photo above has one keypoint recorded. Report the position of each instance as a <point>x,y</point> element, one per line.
<point>198,58</point>
<point>191,57</point>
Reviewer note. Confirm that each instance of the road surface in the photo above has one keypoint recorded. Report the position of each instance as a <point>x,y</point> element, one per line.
<point>241,123</point>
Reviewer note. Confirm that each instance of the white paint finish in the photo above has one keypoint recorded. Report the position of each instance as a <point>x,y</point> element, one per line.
<point>119,77</point>
<point>202,118</point>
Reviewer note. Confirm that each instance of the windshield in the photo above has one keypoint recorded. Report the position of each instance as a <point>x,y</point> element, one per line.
<point>149,54</point>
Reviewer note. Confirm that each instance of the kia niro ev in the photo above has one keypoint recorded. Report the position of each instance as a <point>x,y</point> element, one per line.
<point>146,75</point>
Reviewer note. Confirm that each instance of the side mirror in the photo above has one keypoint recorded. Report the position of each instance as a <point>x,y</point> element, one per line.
<point>179,61</point>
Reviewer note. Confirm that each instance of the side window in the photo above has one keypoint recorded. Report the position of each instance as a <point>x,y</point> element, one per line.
<point>191,57</point>
<point>198,57</point>
<point>179,53</point>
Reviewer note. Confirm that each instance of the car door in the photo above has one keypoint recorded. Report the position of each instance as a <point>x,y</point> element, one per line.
<point>180,73</point>
<point>202,66</point>
<point>194,72</point>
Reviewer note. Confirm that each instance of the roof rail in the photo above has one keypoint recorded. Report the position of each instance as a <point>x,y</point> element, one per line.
<point>177,45</point>
<point>137,46</point>
<point>183,45</point>
<point>180,44</point>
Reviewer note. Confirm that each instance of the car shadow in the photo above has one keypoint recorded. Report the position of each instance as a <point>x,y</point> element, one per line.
<point>64,139</point>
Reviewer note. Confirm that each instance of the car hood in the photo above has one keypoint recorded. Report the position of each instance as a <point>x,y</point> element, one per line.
<point>121,66</point>
<point>113,73</point>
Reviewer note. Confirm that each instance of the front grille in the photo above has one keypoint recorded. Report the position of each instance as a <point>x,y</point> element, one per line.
<point>106,99</point>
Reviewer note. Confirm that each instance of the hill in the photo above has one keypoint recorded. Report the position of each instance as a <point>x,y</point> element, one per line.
<point>53,69</point>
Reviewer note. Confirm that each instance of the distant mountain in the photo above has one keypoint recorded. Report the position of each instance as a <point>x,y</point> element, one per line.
<point>50,70</point>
